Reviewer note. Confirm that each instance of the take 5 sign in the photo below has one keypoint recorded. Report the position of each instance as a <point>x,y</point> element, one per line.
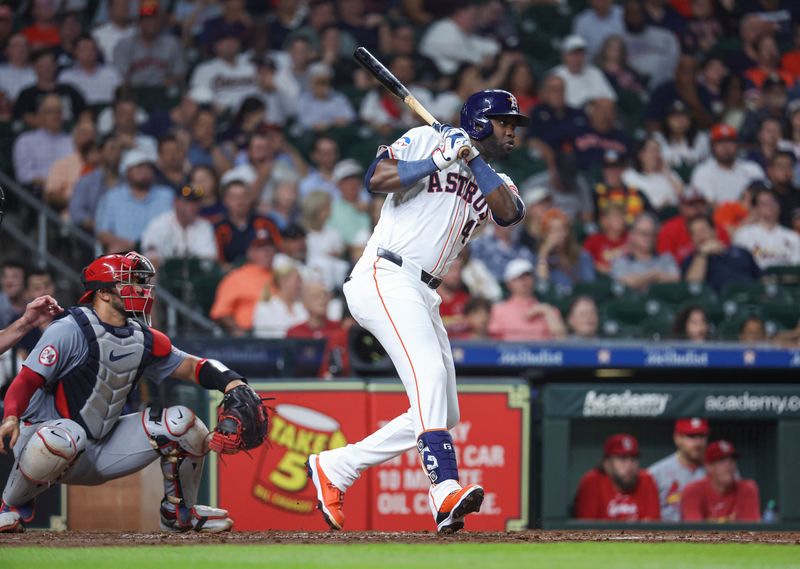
<point>271,489</point>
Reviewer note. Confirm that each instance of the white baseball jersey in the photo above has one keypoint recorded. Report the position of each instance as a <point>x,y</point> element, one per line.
<point>671,477</point>
<point>431,222</point>
<point>769,246</point>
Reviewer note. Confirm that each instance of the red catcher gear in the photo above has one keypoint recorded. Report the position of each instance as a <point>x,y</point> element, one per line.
<point>129,274</point>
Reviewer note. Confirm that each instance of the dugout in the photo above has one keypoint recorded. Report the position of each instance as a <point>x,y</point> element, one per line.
<point>763,421</point>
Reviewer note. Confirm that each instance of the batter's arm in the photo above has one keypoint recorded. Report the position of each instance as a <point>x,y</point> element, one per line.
<point>505,203</point>
<point>382,176</point>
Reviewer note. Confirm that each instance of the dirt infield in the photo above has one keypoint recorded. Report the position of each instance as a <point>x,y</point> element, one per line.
<point>92,539</point>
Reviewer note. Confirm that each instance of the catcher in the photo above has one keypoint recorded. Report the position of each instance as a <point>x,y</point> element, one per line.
<point>63,411</point>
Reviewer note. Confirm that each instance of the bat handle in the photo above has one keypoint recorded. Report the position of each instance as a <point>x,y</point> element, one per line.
<point>463,153</point>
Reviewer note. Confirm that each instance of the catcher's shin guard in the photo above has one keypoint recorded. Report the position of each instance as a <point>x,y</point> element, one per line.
<point>182,440</point>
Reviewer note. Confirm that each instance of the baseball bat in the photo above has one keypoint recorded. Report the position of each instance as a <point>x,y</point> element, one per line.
<point>395,87</point>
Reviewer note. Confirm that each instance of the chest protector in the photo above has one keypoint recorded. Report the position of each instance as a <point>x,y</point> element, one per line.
<point>97,389</point>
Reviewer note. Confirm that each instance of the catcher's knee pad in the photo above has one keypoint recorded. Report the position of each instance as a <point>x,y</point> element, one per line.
<point>176,430</point>
<point>50,451</point>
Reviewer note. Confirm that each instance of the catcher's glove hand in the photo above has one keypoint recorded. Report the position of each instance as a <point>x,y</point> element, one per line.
<point>242,422</point>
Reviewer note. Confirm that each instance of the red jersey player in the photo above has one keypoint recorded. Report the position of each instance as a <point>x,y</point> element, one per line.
<point>617,489</point>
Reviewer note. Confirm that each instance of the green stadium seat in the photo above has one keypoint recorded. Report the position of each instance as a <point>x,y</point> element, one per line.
<point>611,328</point>
<point>601,290</point>
<point>675,294</point>
<point>631,311</point>
<point>784,274</point>
<point>785,315</point>
<point>753,293</point>
<point>658,326</point>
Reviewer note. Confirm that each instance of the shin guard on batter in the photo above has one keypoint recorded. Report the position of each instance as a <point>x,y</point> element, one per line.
<point>182,440</point>
<point>438,456</point>
<point>46,457</point>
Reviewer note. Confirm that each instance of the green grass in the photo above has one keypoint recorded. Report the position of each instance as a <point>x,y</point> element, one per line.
<point>434,556</point>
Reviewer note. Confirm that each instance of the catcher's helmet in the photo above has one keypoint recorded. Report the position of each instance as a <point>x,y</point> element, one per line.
<point>484,105</point>
<point>127,273</point>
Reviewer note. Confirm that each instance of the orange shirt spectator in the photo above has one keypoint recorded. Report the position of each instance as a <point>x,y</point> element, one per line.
<point>721,496</point>
<point>618,489</point>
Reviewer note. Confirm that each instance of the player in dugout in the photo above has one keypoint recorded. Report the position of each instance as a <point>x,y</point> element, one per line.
<point>617,489</point>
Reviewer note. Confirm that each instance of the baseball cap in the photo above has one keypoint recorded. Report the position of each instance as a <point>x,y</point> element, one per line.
<point>691,426</point>
<point>612,158</point>
<point>262,237</point>
<point>516,269</point>
<point>677,107</point>
<point>242,173</point>
<point>723,132</point>
<point>537,195</point>
<point>134,157</point>
<point>621,444</point>
<point>573,43</point>
<point>319,69</point>
<point>190,193</point>
<point>720,449</point>
<point>347,168</point>
<point>148,8</point>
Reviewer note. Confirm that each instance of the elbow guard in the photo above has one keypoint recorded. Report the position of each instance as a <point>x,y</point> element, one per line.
<point>213,374</point>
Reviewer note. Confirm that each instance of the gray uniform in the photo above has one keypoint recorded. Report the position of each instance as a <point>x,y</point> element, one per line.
<point>671,477</point>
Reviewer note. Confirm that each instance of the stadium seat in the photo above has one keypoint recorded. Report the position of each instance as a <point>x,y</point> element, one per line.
<point>753,293</point>
<point>192,280</point>
<point>631,311</point>
<point>611,328</point>
<point>785,315</point>
<point>675,294</point>
<point>784,274</point>
<point>658,326</point>
<point>601,290</point>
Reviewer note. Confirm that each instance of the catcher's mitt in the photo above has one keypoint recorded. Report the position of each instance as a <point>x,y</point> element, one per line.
<point>242,422</point>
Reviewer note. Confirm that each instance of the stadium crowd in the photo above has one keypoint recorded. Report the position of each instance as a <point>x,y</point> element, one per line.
<point>227,141</point>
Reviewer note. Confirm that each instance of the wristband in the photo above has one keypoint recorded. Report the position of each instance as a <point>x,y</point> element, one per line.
<point>213,374</point>
<point>412,172</point>
<point>487,179</point>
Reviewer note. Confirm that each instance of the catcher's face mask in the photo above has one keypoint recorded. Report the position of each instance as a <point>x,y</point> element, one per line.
<point>129,275</point>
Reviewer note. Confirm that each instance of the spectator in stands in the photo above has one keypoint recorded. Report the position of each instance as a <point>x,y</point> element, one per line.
<point>180,233</point>
<point>29,99</point>
<point>321,107</point>
<point>713,72</point>
<point>617,489</point>
<point>324,156</point>
<point>674,235</point>
<point>477,312</point>
<point>583,81</point>
<point>384,112</point>
<point>65,172</point>
<point>521,82</point>
<point>601,135</point>
<point>770,105</point>
<point>12,290</point>
<point>281,309</point>
<point>178,120</point>
<point>231,76</point>
<point>780,172</point>
<point>16,73</point>
<point>768,60</point>
<point>117,28</point>
<point>234,14</point>
<point>538,200</point>
<point>523,318</point>
<point>36,151</point>
<point>683,145</point>
<point>609,243</point>
<point>150,58</point>
<point>734,105</point>
<point>658,13</point>
<point>454,297</point>
<point>723,177</point>
<point>322,242</point>
<point>349,217</point>
<point>652,176</point>
<point>768,142</point>
<point>242,288</point>
<point>704,28</point>
<point>612,60</point>
<point>722,496</point>
<point>583,319</point>
<point>403,41</point>
<point>451,41</point>
<point>320,17</point>
<point>753,331</point>
<point>477,277</point>
<point>653,51</point>
<point>368,29</point>
<point>43,32</point>
<point>172,166</point>
<point>301,55</point>
<point>93,186</point>
<point>277,89</point>
<point>612,190</point>
<point>641,267</point>
<point>600,20</point>
<point>496,249</point>
<point>672,473</point>
<point>124,211</point>
<point>284,209</point>
<point>126,126</point>
<point>768,242</point>
<point>38,282</point>
<point>692,324</point>
<point>264,164</point>
<point>790,61</point>
<point>203,148</point>
<point>467,80</point>
<point>560,261</point>
<point>316,299</point>
<point>240,224</point>
<point>205,179</point>
<point>95,81</point>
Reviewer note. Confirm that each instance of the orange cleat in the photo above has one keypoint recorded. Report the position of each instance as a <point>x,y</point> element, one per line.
<point>459,503</point>
<point>330,500</point>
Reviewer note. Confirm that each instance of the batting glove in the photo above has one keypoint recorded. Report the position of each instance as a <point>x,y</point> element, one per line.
<point>455,143</point>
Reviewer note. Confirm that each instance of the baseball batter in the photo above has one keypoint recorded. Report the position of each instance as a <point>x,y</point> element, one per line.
<point>438,203</point>
<point>63,411</point>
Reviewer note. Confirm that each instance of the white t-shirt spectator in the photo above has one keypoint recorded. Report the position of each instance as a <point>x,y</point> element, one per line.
<point>653,53</point>
<point>448,46</point>
<point>656,186</point>
<point>312,111</point>
<point>165,238</point>
<point>683,153</point>
<point>272,318</point>
<point>14,79</point>
<point>769,247</point>
<point>230,83</point>
<point>720,184</point>
<point>108,36</point>
<point>585,86</point>
<point>97,87</point>
<point>595,30</point>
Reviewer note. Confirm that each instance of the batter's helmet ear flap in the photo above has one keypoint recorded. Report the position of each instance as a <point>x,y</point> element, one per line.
<point>481,107</point>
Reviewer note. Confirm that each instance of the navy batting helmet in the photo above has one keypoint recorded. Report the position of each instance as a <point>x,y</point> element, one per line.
<point>484,105</point>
